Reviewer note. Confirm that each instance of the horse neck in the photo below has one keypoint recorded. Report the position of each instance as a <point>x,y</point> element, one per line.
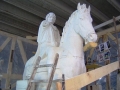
<point>72,42</point>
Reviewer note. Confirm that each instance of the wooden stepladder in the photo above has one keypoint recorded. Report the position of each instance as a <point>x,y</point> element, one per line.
<point>30,83</point>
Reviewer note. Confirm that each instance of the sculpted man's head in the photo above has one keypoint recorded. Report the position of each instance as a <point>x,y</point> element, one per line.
<point>51,17</point>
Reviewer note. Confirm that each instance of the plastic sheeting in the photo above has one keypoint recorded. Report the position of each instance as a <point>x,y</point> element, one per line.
<point>17,62</point>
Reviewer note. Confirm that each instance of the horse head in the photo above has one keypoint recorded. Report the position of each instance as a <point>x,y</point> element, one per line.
<point>83,24</point>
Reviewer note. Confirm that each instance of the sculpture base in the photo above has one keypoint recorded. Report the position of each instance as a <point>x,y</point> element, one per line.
<point>22,85</point>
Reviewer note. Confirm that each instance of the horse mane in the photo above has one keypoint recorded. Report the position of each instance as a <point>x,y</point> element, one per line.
<point>69,21</point>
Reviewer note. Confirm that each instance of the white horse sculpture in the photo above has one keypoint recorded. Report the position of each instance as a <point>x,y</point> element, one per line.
<point>71,55</point>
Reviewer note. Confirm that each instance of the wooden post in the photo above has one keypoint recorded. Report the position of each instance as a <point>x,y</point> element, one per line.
<point>114,20</point>
<point>22,51</point>
<point>77,82</point>
<point>59,86</point>
<point>5,43</point>
<point>9,70</point>
<point>108,84</point>
<point>116,38</point>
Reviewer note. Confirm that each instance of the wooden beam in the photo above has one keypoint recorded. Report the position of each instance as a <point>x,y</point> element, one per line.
<point>105,38</point>
<point>109,30</point>
<point>4,44</point>
<point>112,37</point>
<point>108,85</point>
<point>4,75</point>
<point>9,70</point>
<point>22,51</point>
<point>26,40</point>
<point>59,86</point>
<point>16,76</point>
<point>17,37</point>
<point>82,80</point>
<point>106,23</point>
<point>13,76</point>
<point>31,37</point>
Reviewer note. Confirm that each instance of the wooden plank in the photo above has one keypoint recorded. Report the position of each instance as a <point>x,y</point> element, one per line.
<point>112,37</point>
<point>9,70</point>
<point>16,76</point>
<point>4,75</point>
<point>26,40</point>
<point>7,34</point>
<point>82,80</point>
<point>91,52</point>
<point>108,84</point>
<point>17,37</point>
<point>59,86</point>
<point>109,30</point>
<point>13,76</point>
<point>4,44</point>
<point>106,23</point>
<point>105,38</point>
<point>22,51</point>
<point>89,45</point>
<point>31,37</point>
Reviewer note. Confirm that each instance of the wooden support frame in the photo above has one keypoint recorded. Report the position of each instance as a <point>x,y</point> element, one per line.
<point>22,51</point>
<point>9,76</point>
<point>106,23</point>
<point>4,44</point>
<point>109,30</point>
<point>82,80</point>
<point>31,37</point>
<point>9,70</point>
<point>112,37</point>
<point>17,37</point>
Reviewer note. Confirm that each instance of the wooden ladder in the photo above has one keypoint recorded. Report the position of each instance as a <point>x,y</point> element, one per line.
<point>30,82</point>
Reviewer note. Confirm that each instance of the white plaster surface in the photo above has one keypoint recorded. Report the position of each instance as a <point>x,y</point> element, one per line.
<point>77,29</point>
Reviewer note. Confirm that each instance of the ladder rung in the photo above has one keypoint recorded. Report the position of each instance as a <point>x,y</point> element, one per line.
<point>46,81</point>
<point>45,65</point>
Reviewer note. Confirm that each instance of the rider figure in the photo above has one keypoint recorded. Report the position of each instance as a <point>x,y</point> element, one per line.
<point>48,35</point>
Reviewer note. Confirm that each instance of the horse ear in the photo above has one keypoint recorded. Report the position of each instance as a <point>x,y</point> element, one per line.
<point>84,6</point>
<point>89,9</point>
<point>78,6</point>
